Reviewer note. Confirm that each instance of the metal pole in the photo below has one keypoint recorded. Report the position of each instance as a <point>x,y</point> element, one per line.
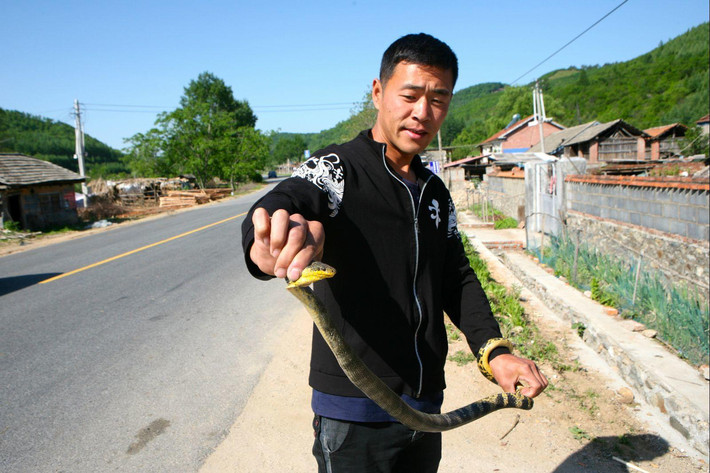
<point>79,148</point>
<point>576,256</point>
<point>541,115</point>
<point>636,283</point>
<point>542,239</point>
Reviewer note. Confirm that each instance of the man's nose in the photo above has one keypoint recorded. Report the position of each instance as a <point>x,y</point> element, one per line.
<point>422,110</point>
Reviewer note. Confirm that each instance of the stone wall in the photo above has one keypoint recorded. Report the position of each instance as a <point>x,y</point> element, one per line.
<point>662,222</point>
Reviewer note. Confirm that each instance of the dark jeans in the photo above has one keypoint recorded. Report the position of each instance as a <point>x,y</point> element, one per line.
<point>377,447</point>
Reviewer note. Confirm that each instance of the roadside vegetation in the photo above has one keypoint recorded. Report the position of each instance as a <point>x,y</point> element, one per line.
<point>510,314</point>
<point>679,315</point>
<point>500,220</point>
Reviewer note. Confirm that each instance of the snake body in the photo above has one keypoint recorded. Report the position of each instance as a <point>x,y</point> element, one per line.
<point>372,386</point>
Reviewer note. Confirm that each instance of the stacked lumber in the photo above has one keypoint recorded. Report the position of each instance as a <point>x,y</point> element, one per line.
<point>216,194</point>
<point>183,198</point>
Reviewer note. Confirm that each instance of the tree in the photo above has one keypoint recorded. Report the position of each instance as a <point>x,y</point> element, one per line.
<point>290,148</point>
<point>144,156</point>
<point>201,137</point>
<point>250,156</point>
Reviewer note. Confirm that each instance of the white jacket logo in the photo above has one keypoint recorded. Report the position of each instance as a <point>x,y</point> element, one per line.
<point>434,207</point>
<point>327,173</point>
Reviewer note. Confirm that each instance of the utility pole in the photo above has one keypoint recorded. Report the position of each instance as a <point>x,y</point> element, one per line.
<point>539,111</point>
<point>79,148</point>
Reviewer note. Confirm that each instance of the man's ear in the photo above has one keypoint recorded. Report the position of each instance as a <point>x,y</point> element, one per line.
<point>377,90</point>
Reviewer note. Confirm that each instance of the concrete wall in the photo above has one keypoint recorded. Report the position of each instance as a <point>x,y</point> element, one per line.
<point>507,194</point>
<point>455,180</point>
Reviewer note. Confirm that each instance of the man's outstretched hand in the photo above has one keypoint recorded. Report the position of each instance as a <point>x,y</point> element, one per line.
<point>285,243</point>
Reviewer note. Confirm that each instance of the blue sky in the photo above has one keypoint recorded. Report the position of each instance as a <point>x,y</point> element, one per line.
<point>300,65</point>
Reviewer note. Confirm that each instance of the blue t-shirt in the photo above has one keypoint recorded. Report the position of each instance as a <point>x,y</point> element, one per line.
<point>362,409</point>
<point>414,189</point>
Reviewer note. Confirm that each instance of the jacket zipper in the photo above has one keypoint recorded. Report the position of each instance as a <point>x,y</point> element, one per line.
<point>415,211</point>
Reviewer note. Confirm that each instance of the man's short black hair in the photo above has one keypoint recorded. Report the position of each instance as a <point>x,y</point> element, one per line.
<point>421,49</point>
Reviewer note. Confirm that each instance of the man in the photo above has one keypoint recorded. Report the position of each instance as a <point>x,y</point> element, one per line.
<point>388,225</point>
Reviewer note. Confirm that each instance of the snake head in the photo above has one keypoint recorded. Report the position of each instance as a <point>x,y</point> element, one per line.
<point>315,271</point>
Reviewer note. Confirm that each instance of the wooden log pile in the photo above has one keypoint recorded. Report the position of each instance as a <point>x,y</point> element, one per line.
<point>184,198</point>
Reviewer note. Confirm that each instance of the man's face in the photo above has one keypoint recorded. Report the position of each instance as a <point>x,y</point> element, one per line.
<point>412,106</point>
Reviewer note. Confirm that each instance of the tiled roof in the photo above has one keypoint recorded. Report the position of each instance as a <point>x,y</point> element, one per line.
<point>21,170</point>
<point>503,134</point>
<point>705,119</point>
<point>512,127</point>
<point>658,131</point>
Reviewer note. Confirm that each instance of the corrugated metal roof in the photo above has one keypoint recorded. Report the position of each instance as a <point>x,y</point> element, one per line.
<point>21,170</point>
<point>583,133</point>
<point>555,140</point>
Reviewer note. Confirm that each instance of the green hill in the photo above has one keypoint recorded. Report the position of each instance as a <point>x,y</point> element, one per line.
<point>666,85</point>
<point>53,141</point>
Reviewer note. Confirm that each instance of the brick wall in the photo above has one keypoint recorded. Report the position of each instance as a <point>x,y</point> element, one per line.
<point>528,136</point>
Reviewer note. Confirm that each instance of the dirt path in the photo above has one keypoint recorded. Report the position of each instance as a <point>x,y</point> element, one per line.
<point>577,425</point>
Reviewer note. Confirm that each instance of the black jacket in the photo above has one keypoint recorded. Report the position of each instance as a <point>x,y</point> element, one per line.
<point>399,267</point>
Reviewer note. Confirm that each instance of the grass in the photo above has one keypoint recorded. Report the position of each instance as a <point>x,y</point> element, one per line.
<point>579,434</point>
<point>680,317</point>
<point>462,357</point>
<point>510,316</point>
<point>500,220</point>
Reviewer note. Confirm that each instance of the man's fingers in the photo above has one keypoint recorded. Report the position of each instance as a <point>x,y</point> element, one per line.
<point>262,225</point>
<point>280,226</point>
<point>511,371</point>
<point>284,244</point>
<point>536,381</point>
<point>296,235</point>
<point>311,250</point>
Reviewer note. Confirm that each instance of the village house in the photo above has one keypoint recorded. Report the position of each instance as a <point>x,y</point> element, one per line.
<point>597,142</point>
<point>664,141</point>
<point>37,194</point>
<point>519,137</point>
<point>704,124</point>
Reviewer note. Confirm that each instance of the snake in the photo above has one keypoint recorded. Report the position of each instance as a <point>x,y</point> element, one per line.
<point>376,389</point>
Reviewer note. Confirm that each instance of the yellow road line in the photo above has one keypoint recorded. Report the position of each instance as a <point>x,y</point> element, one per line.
<point>114,258</point>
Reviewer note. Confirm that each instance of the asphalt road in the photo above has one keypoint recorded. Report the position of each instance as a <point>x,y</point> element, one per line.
<point>141,363</point>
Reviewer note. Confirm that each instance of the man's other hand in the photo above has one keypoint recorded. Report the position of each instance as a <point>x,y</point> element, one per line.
<point>511,371</point>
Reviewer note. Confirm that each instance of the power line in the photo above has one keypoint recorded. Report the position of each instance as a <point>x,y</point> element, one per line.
<point>570,42</point>
<point>102,107</point>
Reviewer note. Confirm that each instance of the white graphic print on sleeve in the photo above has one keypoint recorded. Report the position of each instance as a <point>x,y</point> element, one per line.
<point>327,173</point>
<point>453,230</point>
